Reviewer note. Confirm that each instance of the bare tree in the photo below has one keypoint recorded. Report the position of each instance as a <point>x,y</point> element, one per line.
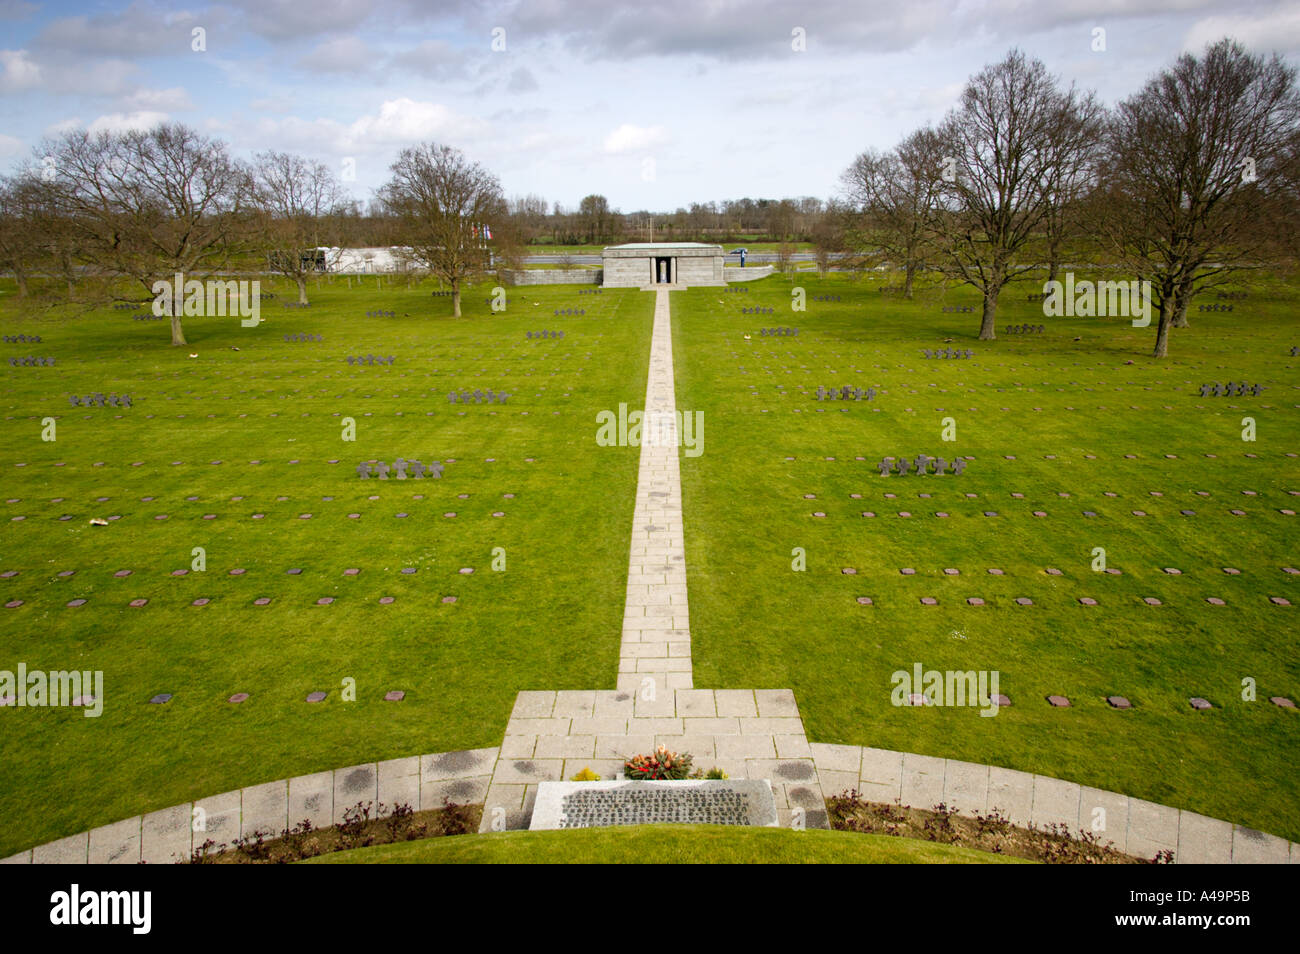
<point>896,195</point>
<point>443,200</point>
<point>1197,160</point>
<point>828,236</point>
<point>1077,152</point>
<point>21,248</point>
<point>146,205</point>
<point>1005,140</point>
<point>296,199</point>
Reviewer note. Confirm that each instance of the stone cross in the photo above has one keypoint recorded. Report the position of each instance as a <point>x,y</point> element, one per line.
<point>363,470</point>
<point>883,467</point>
<point>903,464</point>
<point>958,465</point>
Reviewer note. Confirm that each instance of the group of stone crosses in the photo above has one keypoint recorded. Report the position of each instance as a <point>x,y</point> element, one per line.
<point>441,294</point>
<point>732,289</point>
<point>543,334</point>
<point>480,397</point>
<point>570,311</point>
<point>590,291</point>
<point>30,361</point>
<point>957,308</point>
<point>148,316</point>
<point>488,300</point>
<point>846,393</point>
<point>826,297</point>
<point>1214,308</point>
<point>303,338</point>
<point>99,400</point>
<point>1023,330</point>
<point>380,469</point>
<point>371,359</point>
<point>948,353</point>
<point>1218,390</point>
<point>1038,297</point>
<point>22,339</point>
<point>125,305</point>
<point>297,304</point>
<point>901,465</point>
<point>1295,352</point>
<point>774,332</point>
<point>756,311</point>
<point>1233,296</point>
<point>381,314</point>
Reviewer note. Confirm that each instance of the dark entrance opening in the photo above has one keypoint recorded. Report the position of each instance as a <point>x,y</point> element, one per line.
<point>663,270</point>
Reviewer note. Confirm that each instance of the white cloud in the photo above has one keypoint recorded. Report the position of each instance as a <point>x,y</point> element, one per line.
<point>62,126</point>
<point>403,121</point>
<point>345,54</point>
<point>1263,32</point>
<point>630,138</point>
<point>17,71</point>
<point>159,100</point>
<point>9,146</point>
<point>399,122</point>
<point>121,122</point>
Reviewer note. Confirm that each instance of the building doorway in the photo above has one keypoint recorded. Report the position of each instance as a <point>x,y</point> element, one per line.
<point>663,270</point>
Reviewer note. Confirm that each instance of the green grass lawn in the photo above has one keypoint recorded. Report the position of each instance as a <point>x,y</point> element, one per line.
<point>666,844</point>
<point>1049,401</point>
<point>550,620</point>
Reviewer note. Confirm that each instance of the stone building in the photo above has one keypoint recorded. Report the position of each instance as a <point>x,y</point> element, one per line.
<point>647,264</point>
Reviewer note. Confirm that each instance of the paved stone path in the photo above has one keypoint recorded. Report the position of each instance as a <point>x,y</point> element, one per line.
<point>656,648</point>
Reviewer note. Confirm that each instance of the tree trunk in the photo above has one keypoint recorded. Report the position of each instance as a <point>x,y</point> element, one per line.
<point>1180,309</point>
<point>908,273</point>
<point>302,290</point>
<point>987,322</point>
<point>173,304</point>
<point>1052,268</point>
<point>1162,330</point>
<point>455,299</point>
<point>21,277</point>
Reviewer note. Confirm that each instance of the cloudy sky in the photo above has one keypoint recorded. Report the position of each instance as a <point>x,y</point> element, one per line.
<point>654,105</point>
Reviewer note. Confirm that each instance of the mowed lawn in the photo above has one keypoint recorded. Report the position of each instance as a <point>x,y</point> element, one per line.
<point>1062,422</point>
<point>526,477</point>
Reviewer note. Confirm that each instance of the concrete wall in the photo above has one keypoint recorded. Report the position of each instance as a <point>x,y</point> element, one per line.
<point>637,270</point>
<point>551,276</point>
<point>750,273</point>
<point>627,272</point>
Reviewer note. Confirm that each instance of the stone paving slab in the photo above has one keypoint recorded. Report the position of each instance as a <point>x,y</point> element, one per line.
<point>311,798</point>
<point>73,850</point>
<point>118,843</point>
<point>1203,841</point>
<point>1253,847</point>
<point>1112,818</point>
<point>399,782</point>
<point>264,808</point>
<point>166,835</point>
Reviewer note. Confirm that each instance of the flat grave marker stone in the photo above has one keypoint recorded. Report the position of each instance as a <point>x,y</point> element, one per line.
<point>600,804</point>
